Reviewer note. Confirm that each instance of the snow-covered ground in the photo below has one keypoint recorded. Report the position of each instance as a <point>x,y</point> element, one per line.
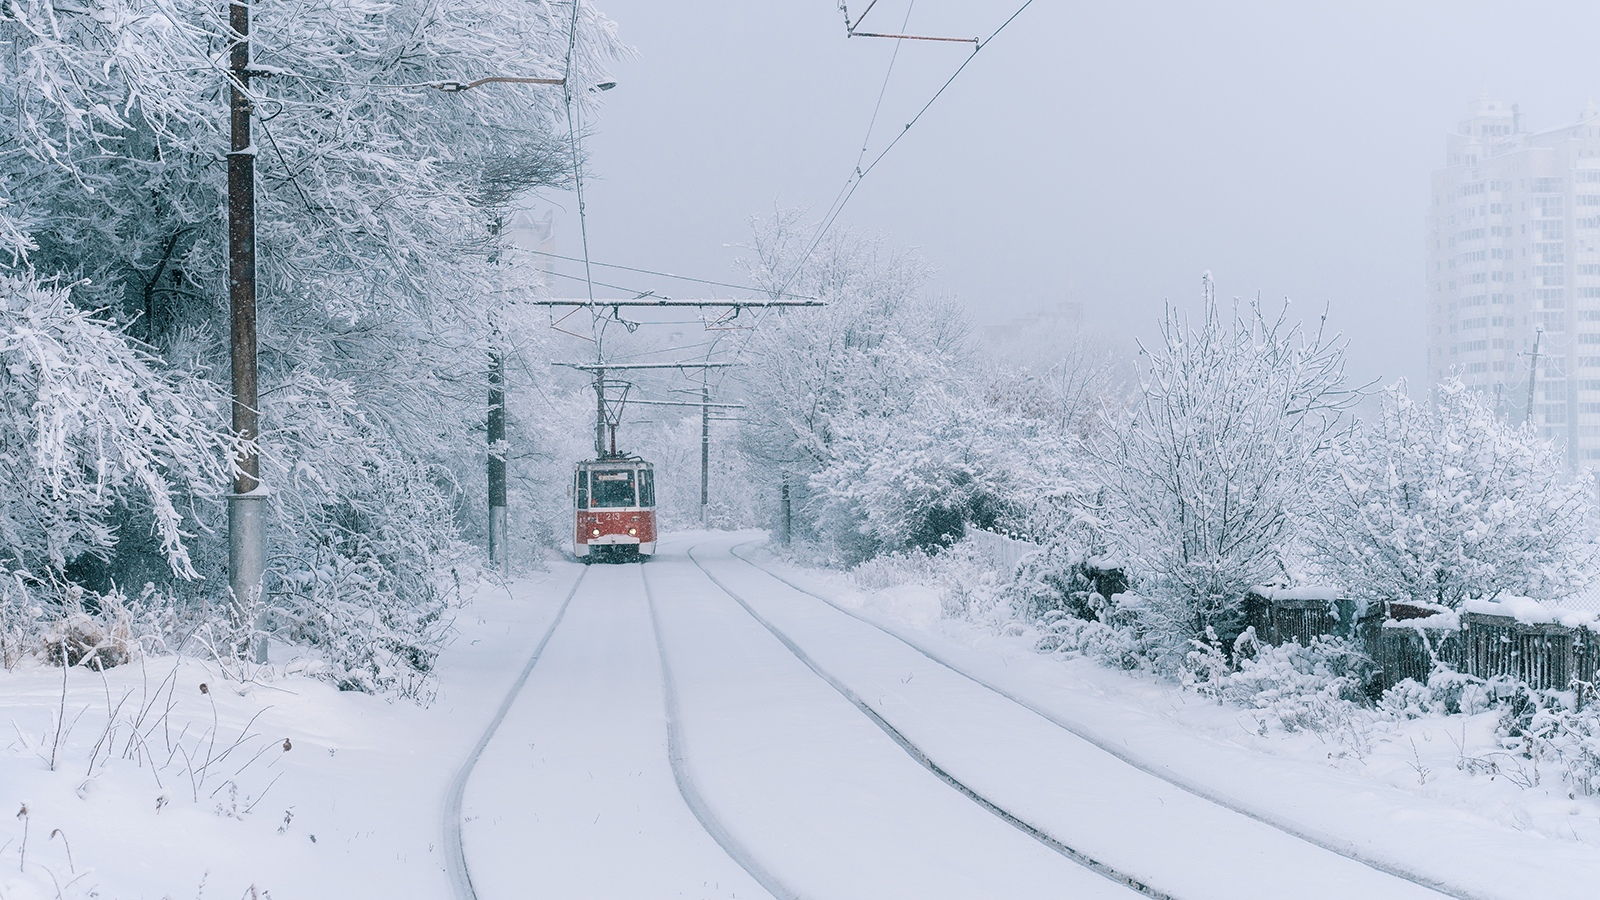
<point>351,809</point>
<point>677,739</point>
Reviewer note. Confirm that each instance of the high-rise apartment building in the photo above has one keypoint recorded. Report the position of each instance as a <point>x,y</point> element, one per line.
<point>1513,280</point>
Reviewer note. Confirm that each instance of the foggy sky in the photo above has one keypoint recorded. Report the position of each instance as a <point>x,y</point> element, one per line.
<point>1114,150</point>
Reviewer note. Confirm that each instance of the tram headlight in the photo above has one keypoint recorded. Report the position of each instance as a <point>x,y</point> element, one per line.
<point>595,533</point>
<point>633,531</point>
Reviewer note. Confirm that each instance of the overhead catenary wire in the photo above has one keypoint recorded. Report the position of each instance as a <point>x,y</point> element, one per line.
<point>577,172</point>
<point>859,175</point>
<point>737,287</point>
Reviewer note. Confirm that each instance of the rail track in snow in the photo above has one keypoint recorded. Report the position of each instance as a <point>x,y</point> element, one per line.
<point>1034,831</point>
<point>738,848</point>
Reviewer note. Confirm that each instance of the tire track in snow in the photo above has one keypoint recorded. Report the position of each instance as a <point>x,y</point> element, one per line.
<point>455,853</point>
<point>915,752</point>
<point>1187,785</point>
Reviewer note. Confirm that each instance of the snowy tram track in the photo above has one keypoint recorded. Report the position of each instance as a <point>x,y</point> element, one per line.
<point>822,801</point>
<point>922,759</point>
<point>569,792</point>
<point>454,850</point>
<point>1040,775</point>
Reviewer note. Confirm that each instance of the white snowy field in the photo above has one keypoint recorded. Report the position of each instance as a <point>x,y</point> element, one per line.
<point>669,743</point>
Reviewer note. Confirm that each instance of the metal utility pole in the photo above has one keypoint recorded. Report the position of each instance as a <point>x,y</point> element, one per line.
<point>599,370</point>
<point>599,413</point>
<point>705,454</point>
<point>1533,371</point>
<point>246,526</point>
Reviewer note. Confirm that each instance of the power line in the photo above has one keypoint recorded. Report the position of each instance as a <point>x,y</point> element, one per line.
<point>737,287</point>
<point>577,167</point>
<point>855,179</point>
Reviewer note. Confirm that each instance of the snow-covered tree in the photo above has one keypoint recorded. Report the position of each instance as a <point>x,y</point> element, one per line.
<point>819,379</point>
<point>1444,502</point>
<point>378,201</point>
<point>1212,479</point>
<point>90,423</point>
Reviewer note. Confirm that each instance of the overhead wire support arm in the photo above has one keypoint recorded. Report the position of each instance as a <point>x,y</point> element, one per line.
<point>456,87</point>
<point>687,403</point>
<point>603,367</point>
<point>914,37</point>
<point>850,29</point>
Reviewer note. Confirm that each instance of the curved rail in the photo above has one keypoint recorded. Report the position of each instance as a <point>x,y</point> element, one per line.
<point>736,850</point>
<point>1188,785</point>
<point>915,752</point>
<point>455,854</point>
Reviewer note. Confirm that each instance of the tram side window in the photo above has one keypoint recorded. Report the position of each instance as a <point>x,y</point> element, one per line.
<point>647,488</point>
<point>612,489</point>
<point>582,490</point>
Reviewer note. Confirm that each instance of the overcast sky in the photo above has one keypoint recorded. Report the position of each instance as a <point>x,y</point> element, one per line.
<point>1112,150</point>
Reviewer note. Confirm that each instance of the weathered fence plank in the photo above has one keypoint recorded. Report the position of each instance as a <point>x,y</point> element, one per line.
<point>1544,656</point>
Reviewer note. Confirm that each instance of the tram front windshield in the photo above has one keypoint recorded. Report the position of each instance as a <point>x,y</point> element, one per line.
<point>612,489</point>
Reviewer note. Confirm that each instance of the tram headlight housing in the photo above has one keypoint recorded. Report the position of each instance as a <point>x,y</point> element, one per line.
<point>595,533</point>
<point>633,531</point>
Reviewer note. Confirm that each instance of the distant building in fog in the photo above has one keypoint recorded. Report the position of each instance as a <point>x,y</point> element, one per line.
<point>1513,250</point>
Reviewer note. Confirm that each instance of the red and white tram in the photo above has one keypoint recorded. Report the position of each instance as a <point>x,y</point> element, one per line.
<point>614,509</point>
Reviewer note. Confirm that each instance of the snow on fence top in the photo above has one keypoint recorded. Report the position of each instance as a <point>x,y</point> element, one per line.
<point>1529,611</point>
<point>1304,592</point>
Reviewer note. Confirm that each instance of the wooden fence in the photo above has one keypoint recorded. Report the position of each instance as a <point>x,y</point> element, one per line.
<point>1542,656</point>
<point>1282,621</point>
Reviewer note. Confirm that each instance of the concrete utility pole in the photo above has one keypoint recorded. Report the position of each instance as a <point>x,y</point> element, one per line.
<point>246,525</point>
<point>499,517</point>
<point>705,454</point>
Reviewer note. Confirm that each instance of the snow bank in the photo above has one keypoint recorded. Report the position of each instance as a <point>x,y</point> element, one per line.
<point>917,605</point>
<point>1304,592</point>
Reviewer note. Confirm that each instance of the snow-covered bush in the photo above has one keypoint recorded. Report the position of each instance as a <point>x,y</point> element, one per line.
<point>918,480</point>
<point>1210,482</point>
<point>90,423</point>
<point>1111,645</point>
<point>1063,579</point>
<point>365,543</point>
<point>1301,688</point>
<point>1437,504</point>
<point>1552,730</point>
<point>1446,693</point>
<point>967,585</point>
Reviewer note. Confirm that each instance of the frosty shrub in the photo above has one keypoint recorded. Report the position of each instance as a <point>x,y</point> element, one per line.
<point>1446,693</point>
<point>92,629</point>
<point>366,583</point>
<point>1108,644</point>
<point>1443,503</point>
<point>1301,688</point>
<point>1211,480</point>
<point>1548,732</point>
<point>1063,580</point>
<point>918,481</point>
<point>968,587</point>
<point>88,422</point>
